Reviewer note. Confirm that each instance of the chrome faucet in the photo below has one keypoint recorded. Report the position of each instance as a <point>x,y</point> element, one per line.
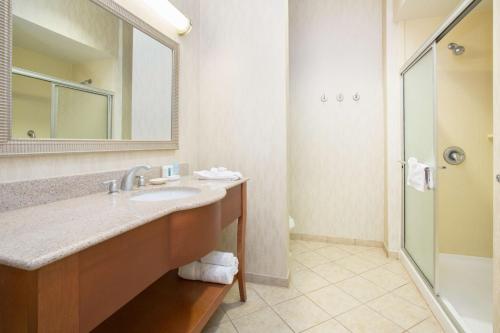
<point>128,180</point>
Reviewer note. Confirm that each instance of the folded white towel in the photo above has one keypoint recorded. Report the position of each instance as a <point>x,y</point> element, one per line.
<point>220,258</point>
<point>218,174</point>
<point>218,274</point>
<point>420,175</point>
<point>190,271</point>
<point>208,273</point>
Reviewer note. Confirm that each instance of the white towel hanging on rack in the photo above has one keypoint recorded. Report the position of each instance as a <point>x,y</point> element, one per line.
<point>420,175</point>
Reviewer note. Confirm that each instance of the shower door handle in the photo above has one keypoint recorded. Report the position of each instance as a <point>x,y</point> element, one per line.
<point>498,178</point>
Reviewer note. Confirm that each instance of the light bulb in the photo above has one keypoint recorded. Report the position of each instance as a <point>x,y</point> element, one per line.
<point>169,12</point>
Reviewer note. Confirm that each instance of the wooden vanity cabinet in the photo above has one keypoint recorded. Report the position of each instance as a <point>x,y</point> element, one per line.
<point>128,283</point>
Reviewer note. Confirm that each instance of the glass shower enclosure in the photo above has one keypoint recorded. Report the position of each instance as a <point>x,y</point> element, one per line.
<point>54,108</point>
<point>447,126</point>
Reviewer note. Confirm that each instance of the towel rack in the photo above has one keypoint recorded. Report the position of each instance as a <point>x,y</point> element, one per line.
<point>428,180</point>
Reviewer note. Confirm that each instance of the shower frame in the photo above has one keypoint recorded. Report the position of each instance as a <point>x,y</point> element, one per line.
<point>430,46</point>
<point>59,83</point>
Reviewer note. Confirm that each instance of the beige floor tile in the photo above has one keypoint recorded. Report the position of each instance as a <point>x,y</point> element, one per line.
<point>385,279</point>
<point>314,245</point>
<point>218,318</point>
<point>364,320</point>
<point>236,309</point>
<point>296,247</point>
<point>410,293</point>
<point>294,242</point>
<point>301,313</point>
<point>331,326</point>
<point>400,311</point>
<point>274,295</point>
<point>332,252</point>
<point>333,272</point>
<point>311,259</point>
<point>361,289</point>
<point>354,249</point>
<point>295,266</point>
<point>265,320</point>
<point>355,264</point>
<point>396,267</point>
<point>306,281</point>
<point>226,327</point>
<point>430,325</point>
<point>333,300</point>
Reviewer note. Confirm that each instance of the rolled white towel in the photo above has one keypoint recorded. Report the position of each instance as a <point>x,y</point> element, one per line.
<point>220,258</point>
<point>208,273</point>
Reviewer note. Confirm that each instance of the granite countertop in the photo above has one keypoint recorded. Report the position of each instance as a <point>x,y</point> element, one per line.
<point>33,237</point>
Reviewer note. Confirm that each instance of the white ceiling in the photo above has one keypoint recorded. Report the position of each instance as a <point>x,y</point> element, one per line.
<point>415,9</point>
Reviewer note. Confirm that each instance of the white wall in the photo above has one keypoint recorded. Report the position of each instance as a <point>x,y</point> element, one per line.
<point>337,149</point>
<point>33,167</point>
<point>243,74</point>
<point>151,87</point>
<point>394,51</point>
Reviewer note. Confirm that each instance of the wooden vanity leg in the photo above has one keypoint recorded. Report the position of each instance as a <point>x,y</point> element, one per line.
<point>242,221</point>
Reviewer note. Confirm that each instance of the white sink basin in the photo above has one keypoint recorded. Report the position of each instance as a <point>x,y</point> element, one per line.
<point>172,193</point>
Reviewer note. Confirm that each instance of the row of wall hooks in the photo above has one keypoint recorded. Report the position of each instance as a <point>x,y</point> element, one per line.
<point>340,97</point>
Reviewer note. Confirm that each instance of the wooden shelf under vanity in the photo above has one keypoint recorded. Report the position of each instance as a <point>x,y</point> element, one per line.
<point>129,283</point>
<point>171,304</point>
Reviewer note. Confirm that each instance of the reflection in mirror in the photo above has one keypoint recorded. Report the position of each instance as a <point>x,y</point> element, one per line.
<point>79,72</point>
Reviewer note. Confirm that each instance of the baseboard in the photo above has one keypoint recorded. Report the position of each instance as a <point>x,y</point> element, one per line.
<point>390,254</point>
<point>336,240</point>
<point>428,295</point>
<point>267,279</point>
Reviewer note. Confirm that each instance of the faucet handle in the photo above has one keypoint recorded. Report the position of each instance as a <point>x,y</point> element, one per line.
<point>112,186</point>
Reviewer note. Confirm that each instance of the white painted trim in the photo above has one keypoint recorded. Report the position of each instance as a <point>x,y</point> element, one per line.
<point>335,240</point>
<point>391,254</point>
<point>428,295</point>
<point>268,280</point>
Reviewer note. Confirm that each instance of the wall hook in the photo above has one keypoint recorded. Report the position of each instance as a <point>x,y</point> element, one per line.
<point>340,98</point>
<point>356,97</point>
<point>324,99</point>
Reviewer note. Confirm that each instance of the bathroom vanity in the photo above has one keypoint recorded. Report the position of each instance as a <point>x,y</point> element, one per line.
<point>108,263</point>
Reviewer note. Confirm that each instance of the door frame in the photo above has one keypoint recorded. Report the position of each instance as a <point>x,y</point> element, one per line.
<point>431,49</point>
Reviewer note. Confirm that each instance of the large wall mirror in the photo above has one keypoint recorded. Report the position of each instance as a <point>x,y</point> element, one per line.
<point>85,75</point>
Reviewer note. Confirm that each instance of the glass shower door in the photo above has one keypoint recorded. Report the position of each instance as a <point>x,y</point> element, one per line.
<point>419,142</point>
<point>80,114</point>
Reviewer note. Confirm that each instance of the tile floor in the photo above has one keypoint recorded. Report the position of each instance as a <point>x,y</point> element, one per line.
<point>334,288</point>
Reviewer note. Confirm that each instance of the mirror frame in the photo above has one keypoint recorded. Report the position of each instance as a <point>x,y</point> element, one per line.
<point>10,146</point>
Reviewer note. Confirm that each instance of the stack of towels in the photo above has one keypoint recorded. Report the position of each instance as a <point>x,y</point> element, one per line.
<point>219,173</point>
<point>215,267</point>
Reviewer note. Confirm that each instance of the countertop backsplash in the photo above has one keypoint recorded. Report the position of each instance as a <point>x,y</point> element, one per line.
<point>22,194</point>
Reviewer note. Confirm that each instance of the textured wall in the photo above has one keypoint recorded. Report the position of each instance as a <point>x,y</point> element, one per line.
<point>337,149</point>
<point>393,53</point>
<point>243,73</point>
<point>24,168</point>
